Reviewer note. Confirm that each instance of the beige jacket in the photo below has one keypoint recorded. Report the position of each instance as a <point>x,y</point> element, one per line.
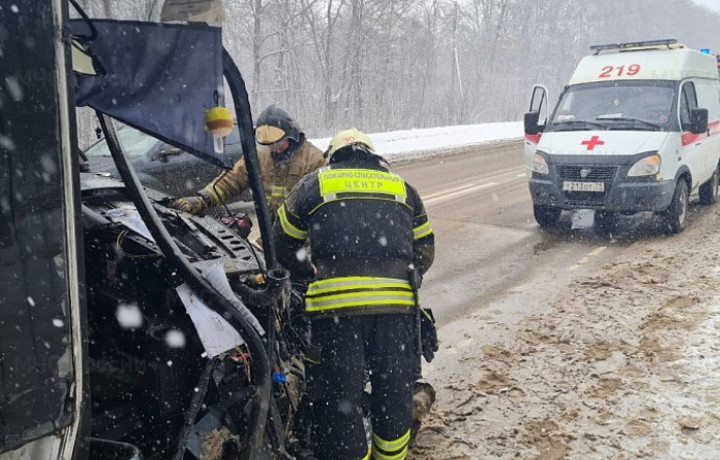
<point>278,177</point>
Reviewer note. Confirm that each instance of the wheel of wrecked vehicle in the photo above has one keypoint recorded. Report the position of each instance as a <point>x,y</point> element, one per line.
<point>546,216</point>
<point>606,221</point>
<point>675,216</point>
<point>709,190</point>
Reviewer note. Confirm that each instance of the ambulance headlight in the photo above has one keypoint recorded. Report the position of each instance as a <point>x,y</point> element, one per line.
<point>648,166</point>
<point>540,165</point>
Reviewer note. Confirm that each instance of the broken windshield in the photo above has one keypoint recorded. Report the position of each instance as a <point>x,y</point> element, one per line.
<point>629,105</point>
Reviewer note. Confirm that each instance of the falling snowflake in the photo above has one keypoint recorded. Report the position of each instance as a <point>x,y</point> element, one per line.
<point>175,339</point>
<point>14,88</point>
<point>129,316</point>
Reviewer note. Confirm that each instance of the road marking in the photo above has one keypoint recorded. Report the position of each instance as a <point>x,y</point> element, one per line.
<point>585,259</point>
<point>444,196</point>
<point>433,195</point>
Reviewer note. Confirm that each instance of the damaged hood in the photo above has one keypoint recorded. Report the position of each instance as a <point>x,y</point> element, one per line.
<point>158,78</point>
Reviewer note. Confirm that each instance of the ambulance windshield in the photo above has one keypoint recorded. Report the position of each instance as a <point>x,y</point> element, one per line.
<point>619,105</point>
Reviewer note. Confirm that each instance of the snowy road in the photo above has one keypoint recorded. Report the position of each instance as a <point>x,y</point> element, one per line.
<point>488,246</point>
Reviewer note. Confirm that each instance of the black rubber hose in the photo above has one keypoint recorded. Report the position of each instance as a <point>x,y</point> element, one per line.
<point>247,141</point>
<point>277,276</point>
<point>205,291</point>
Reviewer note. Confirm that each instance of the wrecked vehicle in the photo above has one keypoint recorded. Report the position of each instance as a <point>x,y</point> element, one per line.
<point>129,330</point>
<point>159,165</point>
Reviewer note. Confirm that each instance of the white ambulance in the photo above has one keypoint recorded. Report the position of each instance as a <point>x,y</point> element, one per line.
<point>637,128</point>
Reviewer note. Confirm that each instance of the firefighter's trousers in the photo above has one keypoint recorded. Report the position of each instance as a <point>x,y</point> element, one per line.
<point>382,347</point>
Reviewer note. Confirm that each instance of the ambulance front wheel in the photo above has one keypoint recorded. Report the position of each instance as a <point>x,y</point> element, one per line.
<point>546,216</point>
<point>675,216</point>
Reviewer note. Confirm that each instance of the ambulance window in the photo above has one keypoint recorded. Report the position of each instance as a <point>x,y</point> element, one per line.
<point>687,102</point>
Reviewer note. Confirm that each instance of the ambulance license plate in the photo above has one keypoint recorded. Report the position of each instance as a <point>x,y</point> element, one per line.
<point>571,186</point>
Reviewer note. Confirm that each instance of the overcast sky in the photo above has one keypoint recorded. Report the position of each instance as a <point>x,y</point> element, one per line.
<point>712,4</point>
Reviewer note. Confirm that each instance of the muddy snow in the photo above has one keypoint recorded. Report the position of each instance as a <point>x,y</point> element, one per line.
<point>622,364</point>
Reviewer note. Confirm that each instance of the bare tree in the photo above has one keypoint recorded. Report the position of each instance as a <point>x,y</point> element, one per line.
<point>392,64</point>
<point>322,24</point>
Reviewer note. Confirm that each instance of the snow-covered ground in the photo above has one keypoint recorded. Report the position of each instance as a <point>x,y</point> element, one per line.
<point>622,364</point>
<point>407,144</point>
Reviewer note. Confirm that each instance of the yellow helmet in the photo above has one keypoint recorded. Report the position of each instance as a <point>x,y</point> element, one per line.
<point>347,138</point>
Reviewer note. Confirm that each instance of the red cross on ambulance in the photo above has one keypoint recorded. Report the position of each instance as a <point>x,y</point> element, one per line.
<point>592,142</point>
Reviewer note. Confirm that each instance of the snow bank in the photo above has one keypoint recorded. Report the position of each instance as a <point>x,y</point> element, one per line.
<point>397,145</point>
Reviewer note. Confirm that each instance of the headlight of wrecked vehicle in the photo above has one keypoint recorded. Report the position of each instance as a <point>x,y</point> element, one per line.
<point>645,167</point>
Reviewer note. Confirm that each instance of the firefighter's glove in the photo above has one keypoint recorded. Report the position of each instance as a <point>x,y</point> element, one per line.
<point>428,334</point>
<point>192,204</point>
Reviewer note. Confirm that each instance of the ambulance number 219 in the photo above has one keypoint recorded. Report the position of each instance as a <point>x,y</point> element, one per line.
<point>612,71</point>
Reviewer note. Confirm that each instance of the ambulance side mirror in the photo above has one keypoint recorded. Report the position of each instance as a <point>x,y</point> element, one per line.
<point>531,123</point>
<point>698,120</point>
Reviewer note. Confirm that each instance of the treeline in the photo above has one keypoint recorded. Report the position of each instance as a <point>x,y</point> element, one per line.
<point>383,65</point>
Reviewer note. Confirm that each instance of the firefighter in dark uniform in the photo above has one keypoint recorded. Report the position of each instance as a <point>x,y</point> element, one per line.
<point>287,156</point>
<point>367,230</point>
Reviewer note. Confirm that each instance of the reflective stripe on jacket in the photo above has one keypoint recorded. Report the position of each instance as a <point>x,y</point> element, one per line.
<point>367,228</point>
<point>353,291</point>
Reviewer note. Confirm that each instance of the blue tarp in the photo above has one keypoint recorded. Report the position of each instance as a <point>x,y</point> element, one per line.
<point>158,78</point>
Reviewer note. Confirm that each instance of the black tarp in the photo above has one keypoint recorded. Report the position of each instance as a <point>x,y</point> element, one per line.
<point>158,78</point>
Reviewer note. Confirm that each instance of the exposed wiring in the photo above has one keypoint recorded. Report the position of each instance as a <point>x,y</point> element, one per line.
<point>243,357</point>
<point>118,246</point>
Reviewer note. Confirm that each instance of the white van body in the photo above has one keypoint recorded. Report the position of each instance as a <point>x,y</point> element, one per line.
<point>637,128</point>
